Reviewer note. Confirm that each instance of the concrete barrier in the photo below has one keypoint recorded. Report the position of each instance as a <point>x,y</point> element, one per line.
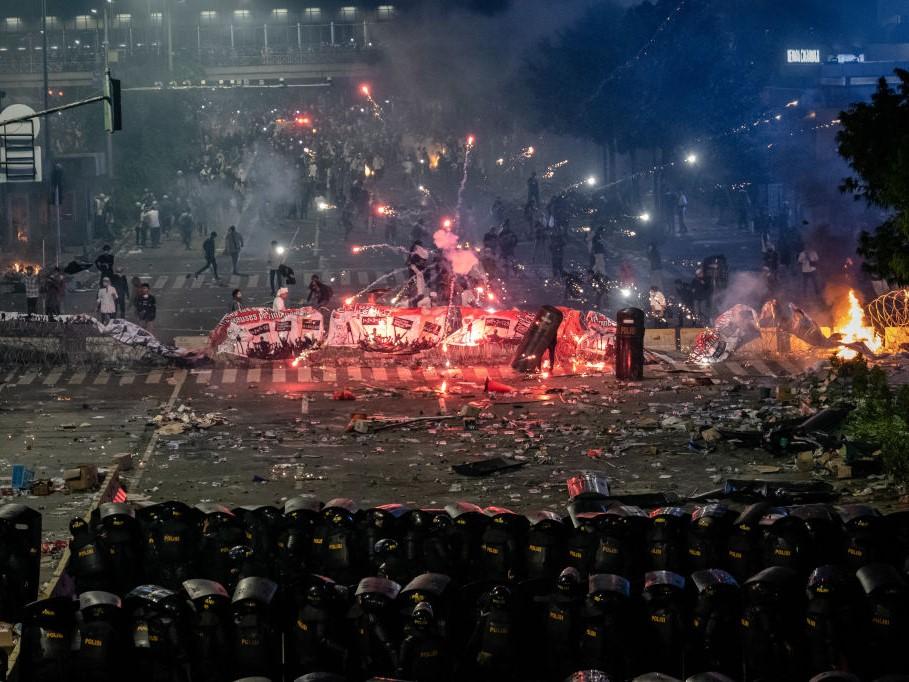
<point>661,339</point>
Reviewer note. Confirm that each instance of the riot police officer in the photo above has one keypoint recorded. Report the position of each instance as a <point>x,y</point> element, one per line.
<point>666,547</point>
<point>501,545</point>
<point>714,639</point>
<point>493,647</point>
<point>253,637</point>
<point>376,636</point>
<point>884,621</point>
<point>337,553</point>
<point>544,552</point>
<point>101,644</point>
<point>771,626</point>
<point>664,622</point>
<point>157,628</point>
<point>294,544</point>
<point>87,562</point>
<point>219,533</point>
<point>316,640</point>
<point>210,622</point>
<point>830,619</point>
<point>607,637</point>
<point>48,629</point>
<point>561,628</point>
<point>425,652</point>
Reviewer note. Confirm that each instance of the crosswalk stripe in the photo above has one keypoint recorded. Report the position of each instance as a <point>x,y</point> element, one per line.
<point>355,373</point>
<point>153,377</point>
<point>234,280</point>
<point>304,375</point>
<point>52,378</point>
<point>203,377</point>
<point>76,379</point>
<point>362,277</point>
<point>27,378</point>
<point>160,282</point>
<point>762,368</point>
<point>379,374</point>
<point>179,282</point>
<point>278,375</point>
<point>253,282</point>
<point>736,368</point>
<point>127,379</point>
<point>229,376</point>
<point>9,376</point>
<point>197,283</point>
<point>404,374</point>
<point>102,378</point>
<point>253,375</point>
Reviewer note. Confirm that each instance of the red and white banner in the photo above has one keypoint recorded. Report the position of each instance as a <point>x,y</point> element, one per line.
<point>384,328</point>
<point>238,332</point>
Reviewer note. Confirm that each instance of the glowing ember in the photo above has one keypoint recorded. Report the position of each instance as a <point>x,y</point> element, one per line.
<point>356,249</point>
<point>349,300</point>
<point>444,387</point>
<point>365,90</point>
<point>854,328</point>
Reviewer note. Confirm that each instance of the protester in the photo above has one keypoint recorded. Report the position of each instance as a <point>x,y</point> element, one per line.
<point>275,258</point>
<point>154,224</point>
<point>107,300</point>
<point>146,308</point>
<point>236,300</point>
<point>657,305</point>
<point>557,252</point>
<point>533,189</point>
<point>681,211</point>
<point>318,290</point>
<point>208,250</point>
<point>118,279</point>
<point>808,260</point>
<point>32,290</point>
<point>233,245</point>
<point>55,292</point>
<point>279,305</point>
<point>105,262</point>
<point>185,223</point>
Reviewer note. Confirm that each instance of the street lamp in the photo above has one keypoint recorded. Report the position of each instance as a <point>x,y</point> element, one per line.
<point>644,217</point>
<point>691,159</point>
<point>591,181</point>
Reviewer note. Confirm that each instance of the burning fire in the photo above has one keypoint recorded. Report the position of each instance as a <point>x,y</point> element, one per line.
<point>444,387</point>
<point>854,328</point>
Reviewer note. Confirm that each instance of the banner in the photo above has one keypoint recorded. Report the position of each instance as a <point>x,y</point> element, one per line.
<point>385,328</point>
<point>478,327</point>
<point>265,333</point>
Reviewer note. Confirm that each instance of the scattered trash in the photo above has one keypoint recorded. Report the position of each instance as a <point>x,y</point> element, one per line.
<point>486,467</point>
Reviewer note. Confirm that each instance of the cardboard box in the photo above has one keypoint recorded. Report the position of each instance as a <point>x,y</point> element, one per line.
<point>85,477</point>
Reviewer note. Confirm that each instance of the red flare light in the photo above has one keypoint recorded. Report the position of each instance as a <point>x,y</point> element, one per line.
<point>302,120</point>
<point>381,210</point>
<point>470,140</point>
<point>295,362</point>
<point>364,89</point>
<point>446,223</point>
<point>356,249</point>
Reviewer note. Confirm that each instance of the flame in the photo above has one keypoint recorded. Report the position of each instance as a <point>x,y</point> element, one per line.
<point>854,328</point>
<point>444,387</point>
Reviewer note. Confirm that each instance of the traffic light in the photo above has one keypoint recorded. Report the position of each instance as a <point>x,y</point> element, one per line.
<point>112,113</point>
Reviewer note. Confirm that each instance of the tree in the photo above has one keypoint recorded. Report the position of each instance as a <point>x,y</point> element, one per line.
<point>874,141</point>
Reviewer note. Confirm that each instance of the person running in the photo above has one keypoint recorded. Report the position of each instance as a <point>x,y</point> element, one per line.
<point>107,300</point>
<point>32,290</point>
<point>233,245</point>
<point>208,250</point>
<point>146,308</point>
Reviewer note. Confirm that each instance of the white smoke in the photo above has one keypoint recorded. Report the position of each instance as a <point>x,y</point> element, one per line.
<point>462,260</point>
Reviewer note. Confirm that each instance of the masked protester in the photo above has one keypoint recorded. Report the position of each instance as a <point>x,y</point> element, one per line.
<point>48,629</point>
<point>493,647</point>
<point>714,638</point>
<point>315,636</point>
<point>376,638</point>
<point>209,625</point>
<point>102,644</point>
<point>607,637</point>
<point>424,655</point>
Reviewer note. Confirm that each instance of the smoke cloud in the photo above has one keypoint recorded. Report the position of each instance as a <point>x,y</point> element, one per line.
<point>462,260</point>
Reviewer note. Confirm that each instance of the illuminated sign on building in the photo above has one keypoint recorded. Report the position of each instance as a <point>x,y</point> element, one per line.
<point>803,56</point>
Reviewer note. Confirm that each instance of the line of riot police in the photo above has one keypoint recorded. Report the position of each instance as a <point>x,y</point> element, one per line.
<point>179,594</point>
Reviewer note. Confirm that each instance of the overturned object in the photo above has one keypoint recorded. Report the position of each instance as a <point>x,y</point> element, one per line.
<point>486,467</point>
<point>541,337</point>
